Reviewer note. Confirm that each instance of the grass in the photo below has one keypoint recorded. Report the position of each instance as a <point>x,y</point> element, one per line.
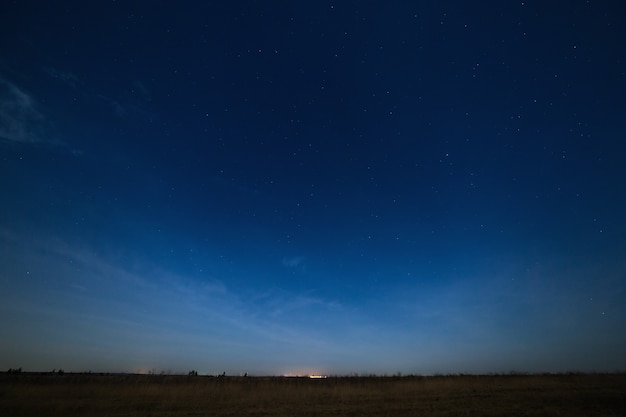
<point>163,395</point>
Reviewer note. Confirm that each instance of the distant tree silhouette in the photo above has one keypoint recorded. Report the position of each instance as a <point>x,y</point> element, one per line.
<point>193,373</point>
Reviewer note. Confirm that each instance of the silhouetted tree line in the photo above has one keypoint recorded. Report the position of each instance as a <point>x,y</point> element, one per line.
<point>15,371</point>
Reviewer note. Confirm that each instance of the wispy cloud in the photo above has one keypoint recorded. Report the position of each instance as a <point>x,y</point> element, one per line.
<point>130,104</point>
<point>65,77</point>
<point>117,107</point>
<point>20,119</point>
<point>293,262</point>
<point>22,122</point>
<point>139,304</point>
<point>277,302</point>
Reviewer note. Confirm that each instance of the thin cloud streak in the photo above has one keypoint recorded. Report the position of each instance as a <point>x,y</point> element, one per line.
<point>23,123</point>
<point>65,77</point>
<point>293,262</point>
<point>20,120</point>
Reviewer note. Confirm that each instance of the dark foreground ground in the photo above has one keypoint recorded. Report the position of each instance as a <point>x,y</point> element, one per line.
<point>137,395</point>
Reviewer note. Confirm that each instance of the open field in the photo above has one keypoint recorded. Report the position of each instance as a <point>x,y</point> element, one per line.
<point>161,395</point>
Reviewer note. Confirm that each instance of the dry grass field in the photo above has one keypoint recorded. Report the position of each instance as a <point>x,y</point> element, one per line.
<point>161,395</point>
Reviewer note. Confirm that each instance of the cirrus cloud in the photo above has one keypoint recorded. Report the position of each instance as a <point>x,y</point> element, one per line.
<point>20,120</point>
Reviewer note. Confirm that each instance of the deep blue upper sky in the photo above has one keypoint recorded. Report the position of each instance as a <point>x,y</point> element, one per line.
<point>292,187</point>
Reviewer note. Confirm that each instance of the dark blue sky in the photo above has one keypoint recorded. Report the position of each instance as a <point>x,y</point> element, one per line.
<point>293,187</point>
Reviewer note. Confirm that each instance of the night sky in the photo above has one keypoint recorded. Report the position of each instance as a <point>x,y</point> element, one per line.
<point>296,187</point>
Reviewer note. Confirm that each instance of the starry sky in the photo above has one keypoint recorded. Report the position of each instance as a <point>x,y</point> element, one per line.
<point>296,187</point>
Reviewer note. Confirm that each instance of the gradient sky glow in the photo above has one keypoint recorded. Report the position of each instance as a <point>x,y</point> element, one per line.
<point>295,187</point>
